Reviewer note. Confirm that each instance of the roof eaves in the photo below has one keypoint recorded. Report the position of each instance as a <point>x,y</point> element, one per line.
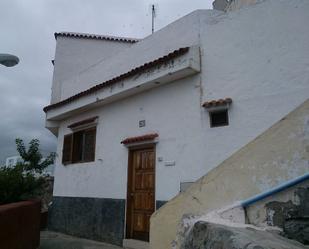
<point>130,73</point>
<point>94,36</point>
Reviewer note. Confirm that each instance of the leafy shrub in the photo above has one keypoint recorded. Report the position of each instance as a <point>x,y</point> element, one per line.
<point>24,181</point>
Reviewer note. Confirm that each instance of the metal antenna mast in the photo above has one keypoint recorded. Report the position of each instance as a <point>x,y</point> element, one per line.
<point>153,14</point>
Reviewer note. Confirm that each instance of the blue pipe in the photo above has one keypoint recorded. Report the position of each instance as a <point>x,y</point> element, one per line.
<point>275,190</point>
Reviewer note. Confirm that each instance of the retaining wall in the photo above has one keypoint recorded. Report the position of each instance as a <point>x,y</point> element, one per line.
<point>20,225</point>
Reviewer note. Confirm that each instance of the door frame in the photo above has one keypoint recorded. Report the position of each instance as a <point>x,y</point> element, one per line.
<point>128,215</point>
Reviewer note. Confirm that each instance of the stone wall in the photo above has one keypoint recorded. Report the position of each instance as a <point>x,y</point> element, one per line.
<point>91,218</point>
<point>99,219</point>
<point>47,195</point>
<point>288,210</point>
<point>206,235</point>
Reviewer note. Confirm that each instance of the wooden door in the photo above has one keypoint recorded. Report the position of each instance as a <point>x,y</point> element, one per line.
<point>141,193</point>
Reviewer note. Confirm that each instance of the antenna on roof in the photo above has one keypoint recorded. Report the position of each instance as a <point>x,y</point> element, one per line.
<point>154,8</point>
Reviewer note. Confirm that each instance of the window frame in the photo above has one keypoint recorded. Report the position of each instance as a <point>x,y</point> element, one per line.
<point>68,150</point>
<point>72,145</point>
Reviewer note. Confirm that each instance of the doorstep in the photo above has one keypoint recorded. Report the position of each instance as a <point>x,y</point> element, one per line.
<point>135,244</point>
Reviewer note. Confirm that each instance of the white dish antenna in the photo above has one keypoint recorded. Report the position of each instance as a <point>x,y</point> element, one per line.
<point>8,60</point>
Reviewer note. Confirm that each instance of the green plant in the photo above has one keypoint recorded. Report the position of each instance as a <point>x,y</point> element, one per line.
<point>24,181</point>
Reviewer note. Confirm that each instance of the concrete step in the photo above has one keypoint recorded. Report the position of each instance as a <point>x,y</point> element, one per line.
<point>135,244</point>
<point>53,240</point>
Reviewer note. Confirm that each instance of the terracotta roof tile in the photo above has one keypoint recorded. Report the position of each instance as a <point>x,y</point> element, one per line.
<point>146,137</point>
<point>83,122</point>
<point>218,102</point>
<point>132,72</point>
<point>97,37</point>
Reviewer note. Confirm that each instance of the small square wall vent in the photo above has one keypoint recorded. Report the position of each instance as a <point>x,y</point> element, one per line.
<point>219,118</point>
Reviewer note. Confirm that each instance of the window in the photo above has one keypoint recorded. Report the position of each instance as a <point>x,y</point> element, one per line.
<point>218,111</point>
<point>79,147</point>
<point>219,118</point>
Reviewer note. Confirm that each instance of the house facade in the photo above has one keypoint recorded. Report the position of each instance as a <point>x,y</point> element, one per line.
<point>138,120</point>
<point>12,161</point>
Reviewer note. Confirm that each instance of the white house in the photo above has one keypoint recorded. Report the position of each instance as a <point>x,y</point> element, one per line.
<point>138,120</point>
<point>12,161</point>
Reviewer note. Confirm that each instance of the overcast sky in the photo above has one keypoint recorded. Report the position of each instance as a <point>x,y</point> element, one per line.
<point>27,30</point>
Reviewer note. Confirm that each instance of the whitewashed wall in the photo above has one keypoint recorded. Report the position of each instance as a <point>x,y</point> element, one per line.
<point>258,56</point>
<point>184,32</point>
<point>74,55</point>
<point>168,110</point>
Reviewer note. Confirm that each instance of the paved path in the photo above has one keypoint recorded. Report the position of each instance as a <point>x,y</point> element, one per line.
<point>52,240</point>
